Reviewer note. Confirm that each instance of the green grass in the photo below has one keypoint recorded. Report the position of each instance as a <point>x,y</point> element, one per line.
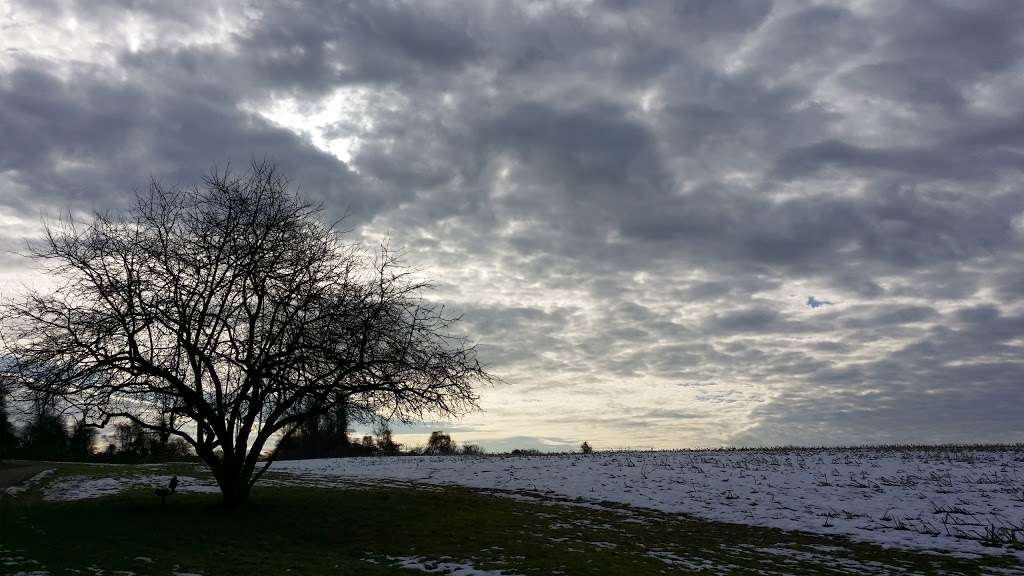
<point>304,530</point>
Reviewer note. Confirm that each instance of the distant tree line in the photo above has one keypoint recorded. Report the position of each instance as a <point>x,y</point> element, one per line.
<point>328,437</point>
<point>441,444</point>
<point>48,435</point>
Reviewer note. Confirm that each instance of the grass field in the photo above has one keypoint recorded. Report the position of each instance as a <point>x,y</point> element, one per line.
<point>390,529</point>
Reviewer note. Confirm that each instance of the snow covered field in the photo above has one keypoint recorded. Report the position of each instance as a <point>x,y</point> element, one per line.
<point>950,499</point>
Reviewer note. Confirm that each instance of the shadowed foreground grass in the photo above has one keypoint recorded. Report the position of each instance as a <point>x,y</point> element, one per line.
<point>307,530</point>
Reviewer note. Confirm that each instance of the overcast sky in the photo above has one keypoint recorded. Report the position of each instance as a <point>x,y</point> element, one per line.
<point>668,224</point>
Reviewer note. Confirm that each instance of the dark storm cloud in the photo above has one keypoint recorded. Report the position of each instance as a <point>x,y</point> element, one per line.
<point>88,140</point>
<point>971,39</point>
<point>315,45</point>
<point>621,190</point>
<point>970,365</point>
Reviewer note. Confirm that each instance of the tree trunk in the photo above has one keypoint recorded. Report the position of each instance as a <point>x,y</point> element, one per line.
<point>234,489</point>
<point>343,423</point>
<point>233,479</point>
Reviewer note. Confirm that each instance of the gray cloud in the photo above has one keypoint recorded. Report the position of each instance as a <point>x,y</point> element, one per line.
<point>88,140</point>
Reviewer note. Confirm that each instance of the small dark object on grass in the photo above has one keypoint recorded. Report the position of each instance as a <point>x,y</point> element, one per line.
<point>163,493</point>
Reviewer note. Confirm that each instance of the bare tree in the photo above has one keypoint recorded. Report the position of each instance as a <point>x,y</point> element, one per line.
<point>227,315</point>
<point>384,437</point>
<point>440,443</point>
<point>8,439</point>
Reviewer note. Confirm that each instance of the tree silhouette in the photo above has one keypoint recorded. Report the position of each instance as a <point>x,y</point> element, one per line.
<point>81,440</point>
<point>440,443</point>
<point>229,314</point>
<point>323,437</point>
<point>8,439</point>
<point>46,437</point>
<point>383,436</point>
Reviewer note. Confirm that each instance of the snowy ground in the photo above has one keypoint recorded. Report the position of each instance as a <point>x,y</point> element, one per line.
<point>950,499</point>
<point>84,487</point>
<point>445,568</point>
<point>606,509</point>
<point>27,484</point>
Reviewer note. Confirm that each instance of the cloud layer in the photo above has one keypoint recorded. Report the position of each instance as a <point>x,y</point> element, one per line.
<point>630,202</point>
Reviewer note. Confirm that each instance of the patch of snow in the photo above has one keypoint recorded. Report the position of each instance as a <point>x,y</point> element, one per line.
<point>85,487</point>
<point>690,564</point>
<point>797,557</point>
<point>18,489</point>
<point>446,568</point>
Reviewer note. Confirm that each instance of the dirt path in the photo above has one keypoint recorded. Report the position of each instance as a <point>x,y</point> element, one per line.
<point>12,473</point>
